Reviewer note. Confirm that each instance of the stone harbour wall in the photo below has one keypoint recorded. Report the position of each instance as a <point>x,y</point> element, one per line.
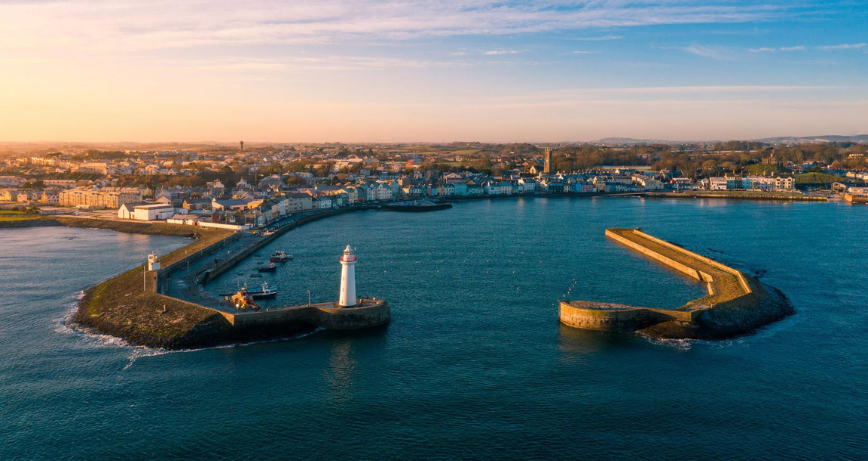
<point>736,304</point>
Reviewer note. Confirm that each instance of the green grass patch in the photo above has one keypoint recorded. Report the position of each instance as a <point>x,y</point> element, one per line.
<point>817,179</point>
<point>764,170</point>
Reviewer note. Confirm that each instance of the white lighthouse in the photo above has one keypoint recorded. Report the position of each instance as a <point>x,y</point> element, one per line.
<point>348,278</point>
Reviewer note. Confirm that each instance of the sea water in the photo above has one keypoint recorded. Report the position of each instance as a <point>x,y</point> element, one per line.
<point>474,364</point>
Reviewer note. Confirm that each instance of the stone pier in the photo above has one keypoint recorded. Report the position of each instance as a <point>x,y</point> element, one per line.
<point>735,304</point>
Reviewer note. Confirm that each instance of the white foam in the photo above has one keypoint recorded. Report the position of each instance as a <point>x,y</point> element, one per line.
<point>66,325</point>
<point>684,345</point>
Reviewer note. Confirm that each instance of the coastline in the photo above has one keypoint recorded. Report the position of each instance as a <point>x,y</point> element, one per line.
<point>122,307</point>
<point>128,227</point>
<point>740,195</point>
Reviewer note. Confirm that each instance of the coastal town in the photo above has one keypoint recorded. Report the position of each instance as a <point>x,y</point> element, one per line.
<point>244,187</point>
<point>434,230</point>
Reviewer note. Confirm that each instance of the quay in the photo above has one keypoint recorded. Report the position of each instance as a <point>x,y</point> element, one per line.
<point>163,306</point>
<point>736,303</point>
<point>856,199</point>
<point>739,195</point>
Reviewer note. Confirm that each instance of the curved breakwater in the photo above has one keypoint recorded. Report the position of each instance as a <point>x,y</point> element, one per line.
<point>735,304</point>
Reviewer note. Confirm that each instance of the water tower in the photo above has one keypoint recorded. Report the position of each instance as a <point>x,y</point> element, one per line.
<point>348,278</point>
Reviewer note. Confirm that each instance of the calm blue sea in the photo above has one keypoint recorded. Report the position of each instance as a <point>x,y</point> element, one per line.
<point>474,364</point>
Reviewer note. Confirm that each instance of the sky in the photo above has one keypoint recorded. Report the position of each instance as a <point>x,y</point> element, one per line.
<point>430,70</point>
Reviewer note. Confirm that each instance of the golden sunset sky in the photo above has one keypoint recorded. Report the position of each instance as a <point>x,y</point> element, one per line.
<point>359,71</point>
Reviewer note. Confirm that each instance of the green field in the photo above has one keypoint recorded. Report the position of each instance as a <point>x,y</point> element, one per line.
<point>7,215</point>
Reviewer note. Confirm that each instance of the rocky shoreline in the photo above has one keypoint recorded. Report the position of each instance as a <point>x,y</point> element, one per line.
<point>121,307</point>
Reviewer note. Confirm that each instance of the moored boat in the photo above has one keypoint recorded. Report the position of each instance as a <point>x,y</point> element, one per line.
<point>269,268</point>
<point>266,292</point>
<point>417,206</point>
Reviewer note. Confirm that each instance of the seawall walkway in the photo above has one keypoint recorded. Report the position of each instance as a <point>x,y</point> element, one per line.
<point>735,303</point>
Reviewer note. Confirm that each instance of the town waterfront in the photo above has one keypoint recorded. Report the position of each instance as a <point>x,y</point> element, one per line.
<point>474,363</point>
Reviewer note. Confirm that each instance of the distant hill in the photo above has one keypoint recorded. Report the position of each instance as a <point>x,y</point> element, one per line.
<point>862,138</point>
<point>632,141</point>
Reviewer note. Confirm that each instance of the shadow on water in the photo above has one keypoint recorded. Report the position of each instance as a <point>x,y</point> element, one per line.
<point>368,335</point>
<point>586,342</point>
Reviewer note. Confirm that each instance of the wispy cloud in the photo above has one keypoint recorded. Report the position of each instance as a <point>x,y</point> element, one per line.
<point>845,46</point>
<point>783,48</point>
<point>584,52</point>
<point>162,24</point>
<point>720,53</point>
<point>600,39</point>
<point>721,89</point>
<point>647,93</point>
<point>296,64</point>
<point>500,52</point>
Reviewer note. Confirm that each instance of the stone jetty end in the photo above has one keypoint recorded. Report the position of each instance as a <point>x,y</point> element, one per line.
<point>736,303</point>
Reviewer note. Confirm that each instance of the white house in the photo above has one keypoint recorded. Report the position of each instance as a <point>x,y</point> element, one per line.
<point>155,212</point>
<point>528,184</point>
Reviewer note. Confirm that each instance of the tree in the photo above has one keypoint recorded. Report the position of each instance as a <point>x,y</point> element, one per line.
<point>709,165</point>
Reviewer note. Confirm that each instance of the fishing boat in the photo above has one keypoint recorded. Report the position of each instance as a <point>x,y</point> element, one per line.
<point>269,268</point>
<point>267,292</point>
<point>280,257</point>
